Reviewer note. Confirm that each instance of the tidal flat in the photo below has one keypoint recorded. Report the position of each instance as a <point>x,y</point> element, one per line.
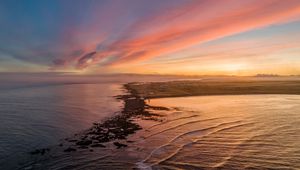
<point>204,87</point>
<point>186,124</point>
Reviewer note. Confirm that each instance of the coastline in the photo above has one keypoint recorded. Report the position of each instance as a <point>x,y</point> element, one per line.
<point>117,128</point>
<point>213,87</point>
<point>116,132</point>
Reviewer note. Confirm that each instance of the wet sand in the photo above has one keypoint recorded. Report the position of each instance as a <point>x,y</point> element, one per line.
<point>120,126</point>
<point>116,132</point>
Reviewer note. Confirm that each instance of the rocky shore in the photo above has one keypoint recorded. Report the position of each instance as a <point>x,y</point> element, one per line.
<point>115,129</point>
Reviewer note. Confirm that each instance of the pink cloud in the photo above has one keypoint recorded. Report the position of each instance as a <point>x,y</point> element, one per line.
<point>183,26</point>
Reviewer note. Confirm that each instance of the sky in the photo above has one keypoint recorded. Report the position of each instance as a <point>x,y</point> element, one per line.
<point>186,37</point>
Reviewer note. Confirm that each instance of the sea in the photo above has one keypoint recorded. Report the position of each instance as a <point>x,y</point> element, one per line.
<point>204,132</point>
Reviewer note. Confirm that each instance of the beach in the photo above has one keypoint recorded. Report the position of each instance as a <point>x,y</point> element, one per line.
<point>120,126</point>
<point>233,86</point>
<point>161,123</point>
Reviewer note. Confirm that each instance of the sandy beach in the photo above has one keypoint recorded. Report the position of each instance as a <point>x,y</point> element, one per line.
<point>121,125</point>
<point>236,86</point>
<point>160,123</point>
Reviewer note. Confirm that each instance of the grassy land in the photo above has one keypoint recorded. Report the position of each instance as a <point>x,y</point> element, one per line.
<point>214,87</point>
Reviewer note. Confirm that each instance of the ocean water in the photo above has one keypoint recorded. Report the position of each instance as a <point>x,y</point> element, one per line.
<point>225,132</point>
<point>206,132</point>
<point>40,116</point>
<point>41,110</point>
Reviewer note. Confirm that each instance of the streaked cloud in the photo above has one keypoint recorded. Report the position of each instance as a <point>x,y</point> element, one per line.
<point>118,34</point>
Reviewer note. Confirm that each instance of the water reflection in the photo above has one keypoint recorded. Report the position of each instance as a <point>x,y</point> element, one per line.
<point>208,132</point>
<point>226,132</point>
<point>39,117</point>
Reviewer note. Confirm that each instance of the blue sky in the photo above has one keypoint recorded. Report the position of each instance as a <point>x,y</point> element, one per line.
<point>140,36</point>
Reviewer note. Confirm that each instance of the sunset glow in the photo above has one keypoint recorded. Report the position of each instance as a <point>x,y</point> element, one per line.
<point>149,84</point>
<point>205,37</point>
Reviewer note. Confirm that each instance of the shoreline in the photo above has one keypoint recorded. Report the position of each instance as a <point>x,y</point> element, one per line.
<point>187,88</point>
<point>111,131</point>
<point>117,128</point>
<point>122,125</point>
<point>114,132</point>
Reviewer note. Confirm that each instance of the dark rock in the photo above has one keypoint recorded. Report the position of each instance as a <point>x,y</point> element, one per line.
<point>83,147</point>
<point>98,145</point>
<point>119,126</point>
<point>84,142</point>
<point>73,140</point>
<point>84,137</point>
<point>120,145</point>
<point>70,149</point>
<point>103,139</point>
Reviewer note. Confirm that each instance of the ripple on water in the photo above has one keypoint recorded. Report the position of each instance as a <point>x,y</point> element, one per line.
<point>257,131</point>
<point>211,132</point>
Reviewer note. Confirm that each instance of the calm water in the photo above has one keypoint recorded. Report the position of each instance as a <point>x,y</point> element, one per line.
<point>222,132</point>
<point>38,111</point>
<point>226,132</point>
<point>37,117</point>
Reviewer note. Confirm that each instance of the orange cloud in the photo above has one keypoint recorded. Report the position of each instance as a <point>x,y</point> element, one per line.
<point>187,32</point>
<point>183,26</point>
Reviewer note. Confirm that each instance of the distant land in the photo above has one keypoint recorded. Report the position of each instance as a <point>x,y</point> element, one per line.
<point>213,86</point>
